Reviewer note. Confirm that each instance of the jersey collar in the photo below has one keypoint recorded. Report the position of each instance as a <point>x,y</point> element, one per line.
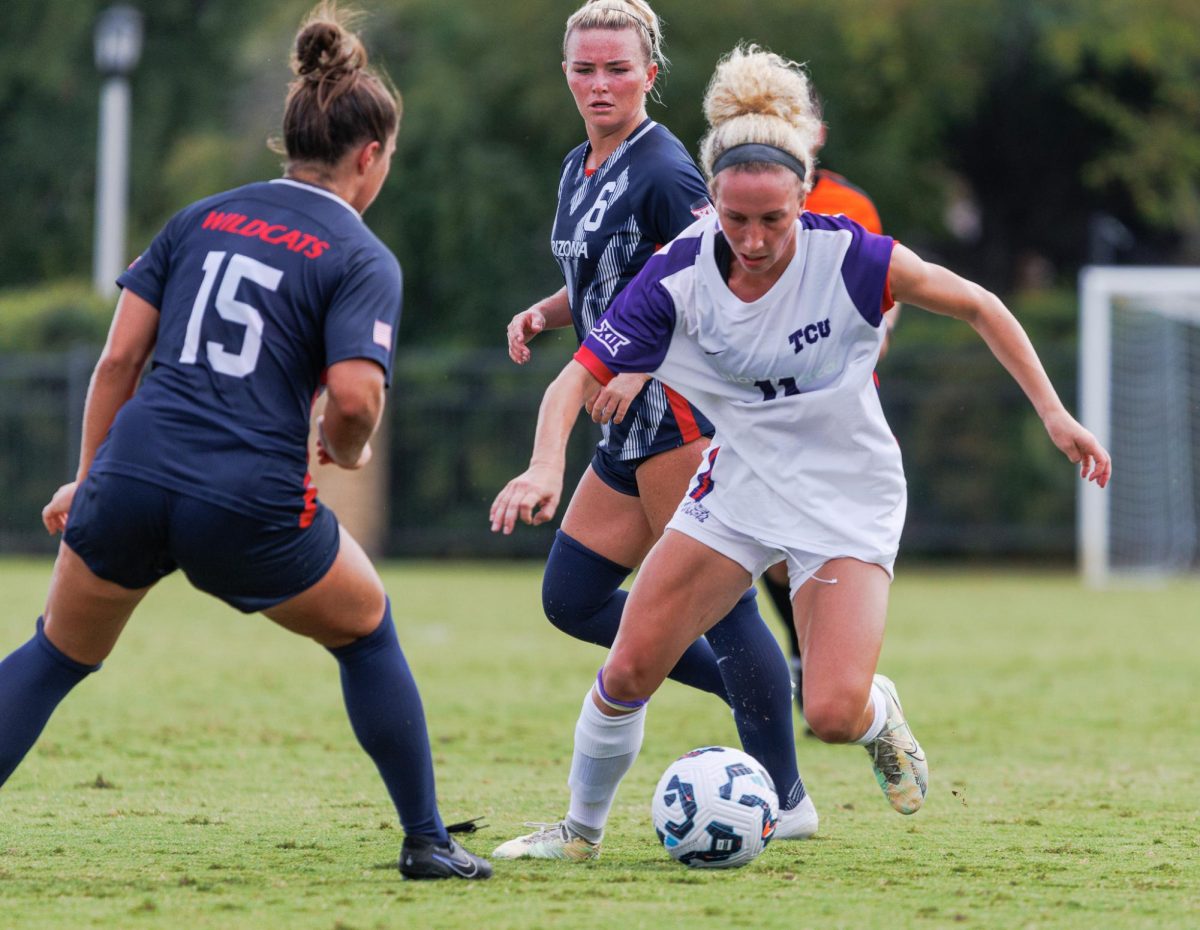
<point>630,140</point>
<point>719,287</point>
<point>312,188</point>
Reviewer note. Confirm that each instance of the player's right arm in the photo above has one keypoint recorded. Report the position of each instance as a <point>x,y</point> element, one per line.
<point>533,495</point>
<point>131,339</point>
<point>553,312</point>
<point>353,409</point>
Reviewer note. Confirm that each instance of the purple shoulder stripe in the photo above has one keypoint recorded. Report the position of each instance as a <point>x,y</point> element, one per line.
<point>681,254</point>
<point>865,264</point>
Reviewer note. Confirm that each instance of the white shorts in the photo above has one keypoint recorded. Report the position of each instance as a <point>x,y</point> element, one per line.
<point>756,556</point>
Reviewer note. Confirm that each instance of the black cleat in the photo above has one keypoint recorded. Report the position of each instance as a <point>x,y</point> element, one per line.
<point>421,857</point>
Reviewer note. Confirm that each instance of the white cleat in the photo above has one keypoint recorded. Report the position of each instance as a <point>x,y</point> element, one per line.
<point>900,766</point>
<point>800,823</point>
<point>552,841</point>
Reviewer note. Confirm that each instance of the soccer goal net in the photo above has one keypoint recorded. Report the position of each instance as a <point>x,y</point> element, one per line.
<point>1140,394</point>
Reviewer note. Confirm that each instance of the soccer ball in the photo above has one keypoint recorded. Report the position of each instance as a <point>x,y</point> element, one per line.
<point>715,808</point>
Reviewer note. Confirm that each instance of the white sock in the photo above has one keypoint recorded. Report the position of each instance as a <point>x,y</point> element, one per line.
<point>879,706</point>
<point>605,748</point>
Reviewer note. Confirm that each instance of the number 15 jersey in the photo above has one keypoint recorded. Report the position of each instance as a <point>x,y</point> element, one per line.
<point>259,290</point>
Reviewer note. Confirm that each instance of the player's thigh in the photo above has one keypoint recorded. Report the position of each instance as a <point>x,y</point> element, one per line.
<point>683,588</point>
<point>84,613</point>
<point>840,616</point>
<point>344,605</point>
<point>663,481</point>
<point>114,549</point>
<point>608,521</point>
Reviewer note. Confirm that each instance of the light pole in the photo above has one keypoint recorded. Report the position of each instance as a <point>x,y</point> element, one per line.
<point>118,39</point>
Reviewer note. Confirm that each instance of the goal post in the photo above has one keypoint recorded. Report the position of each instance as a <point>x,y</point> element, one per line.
<point>1139,390</point>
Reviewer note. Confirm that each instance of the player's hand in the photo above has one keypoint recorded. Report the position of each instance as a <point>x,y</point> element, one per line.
<point>532,497</point>
<point>54,514</point>
<point>1081,447</point>
<point>613,400</point>
<point>522,328</point>
<point>325,458</point>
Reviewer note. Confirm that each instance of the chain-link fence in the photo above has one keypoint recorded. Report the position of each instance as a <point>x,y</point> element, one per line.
<point>983,478</point>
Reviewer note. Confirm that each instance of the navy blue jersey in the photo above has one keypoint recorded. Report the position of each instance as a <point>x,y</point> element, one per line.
<point>259,290</point>
<point>608,225</point>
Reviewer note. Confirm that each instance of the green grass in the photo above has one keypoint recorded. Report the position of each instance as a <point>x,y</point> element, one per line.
<point>207,777</point>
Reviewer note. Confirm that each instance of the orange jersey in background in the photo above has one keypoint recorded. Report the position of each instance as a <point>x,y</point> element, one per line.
<point>833,194</point>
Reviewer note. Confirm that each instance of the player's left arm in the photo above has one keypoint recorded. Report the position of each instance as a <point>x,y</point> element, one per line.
<point>533,495</point>
<point>940,290</point>
<point>131,339</point>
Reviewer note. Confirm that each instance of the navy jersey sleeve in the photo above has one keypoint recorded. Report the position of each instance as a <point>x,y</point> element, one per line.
<point>635,332</point>
<point>147,276</point>
<point>864,266</point>
<point>676,197</point>
<point>365,312</point>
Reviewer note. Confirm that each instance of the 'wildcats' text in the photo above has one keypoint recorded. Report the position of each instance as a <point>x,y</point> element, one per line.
<point>294,239</point>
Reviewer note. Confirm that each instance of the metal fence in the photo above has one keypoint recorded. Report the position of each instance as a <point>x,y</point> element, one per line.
<point>983,479</point>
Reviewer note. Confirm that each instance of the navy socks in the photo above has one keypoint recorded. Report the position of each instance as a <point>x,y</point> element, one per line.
<point>760,689</point>
<point>580,592</point>
<point>33,681</point>
<point>388,719</point>
<point>582,596</point>
<point>381,698</point>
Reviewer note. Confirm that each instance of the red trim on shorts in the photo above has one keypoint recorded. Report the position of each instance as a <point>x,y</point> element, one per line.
<point>596,368</point>
<point>704,481</point>
<point>689,429</point>
<point>309,513</point>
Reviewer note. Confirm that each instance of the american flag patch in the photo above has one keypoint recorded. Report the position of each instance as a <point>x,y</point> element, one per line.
<point>383,334</point>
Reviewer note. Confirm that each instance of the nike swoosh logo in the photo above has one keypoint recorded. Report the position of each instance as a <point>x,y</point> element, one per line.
<point>457,867</point>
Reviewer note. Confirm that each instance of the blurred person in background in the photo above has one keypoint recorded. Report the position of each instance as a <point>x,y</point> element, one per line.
<point>246,303</point>
<point>627,190</point>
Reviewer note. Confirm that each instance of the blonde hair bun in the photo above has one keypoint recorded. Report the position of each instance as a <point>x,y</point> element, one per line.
<point>756,96</point>
<point>751,81</point>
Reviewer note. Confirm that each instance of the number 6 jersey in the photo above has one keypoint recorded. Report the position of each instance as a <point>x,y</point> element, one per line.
<point>609,222</point>
<point>259,290</point>
<point>802,456</point>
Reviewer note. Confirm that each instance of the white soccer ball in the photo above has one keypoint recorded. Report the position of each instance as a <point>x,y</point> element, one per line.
<point>715,808</point>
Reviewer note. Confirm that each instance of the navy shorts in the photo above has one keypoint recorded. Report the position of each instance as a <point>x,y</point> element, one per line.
<point>133,533</point>
<point>618,475</point>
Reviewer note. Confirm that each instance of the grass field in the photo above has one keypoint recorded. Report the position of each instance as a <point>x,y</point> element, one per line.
<point>207,778</point>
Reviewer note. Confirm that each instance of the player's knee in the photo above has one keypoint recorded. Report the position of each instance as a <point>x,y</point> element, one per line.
<point>629,678</point>
<point>577,584</point>
<point>833,718</point>
<point>561,603</point>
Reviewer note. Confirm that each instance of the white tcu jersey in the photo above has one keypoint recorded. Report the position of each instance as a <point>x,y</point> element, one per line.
<point>802,457</point>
